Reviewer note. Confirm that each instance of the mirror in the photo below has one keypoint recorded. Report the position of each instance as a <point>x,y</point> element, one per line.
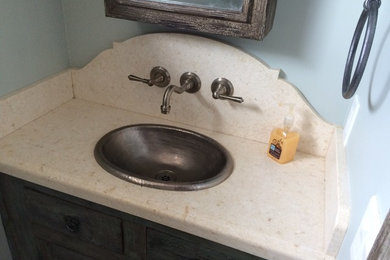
<point>251,19</point>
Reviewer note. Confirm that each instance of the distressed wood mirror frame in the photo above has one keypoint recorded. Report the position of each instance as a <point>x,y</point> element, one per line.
<point>253,21</point>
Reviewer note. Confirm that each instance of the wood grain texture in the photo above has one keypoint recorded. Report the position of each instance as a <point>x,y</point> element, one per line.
<point>254,21</point>
<point>55,241</point>
<point>32,217</point>
<point>381,248</point>
<point>177,245</point>
<point>97,228</point>
<point>50,250</point>
<point>13,214</point>
<point>230,15</point>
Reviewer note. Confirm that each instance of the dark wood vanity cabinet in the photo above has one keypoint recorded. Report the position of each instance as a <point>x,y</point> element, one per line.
<point>41,223</point>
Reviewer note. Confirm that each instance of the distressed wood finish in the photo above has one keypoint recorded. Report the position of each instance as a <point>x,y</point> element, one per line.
<point>254,21</point>
<point>13,214</point>
<point>33,220</point>
<point>381,248</point>
<point>239,16</point>
<point>102,230</point>
<point>176,245</point>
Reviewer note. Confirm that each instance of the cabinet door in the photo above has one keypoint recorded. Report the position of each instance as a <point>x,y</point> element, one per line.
<point>58,244</point>
<point>45,224</point>
<point>75,221</point>
<point>172,245</point>
<point>52,251</point>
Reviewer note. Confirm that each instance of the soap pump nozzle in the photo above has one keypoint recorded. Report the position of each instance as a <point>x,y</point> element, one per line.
<point>288,120</point>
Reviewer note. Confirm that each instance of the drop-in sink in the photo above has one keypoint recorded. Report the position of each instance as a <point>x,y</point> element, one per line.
<point>164,157</point>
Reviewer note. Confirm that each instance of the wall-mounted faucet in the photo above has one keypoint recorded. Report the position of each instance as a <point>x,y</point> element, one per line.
<point>223,89</point>
<point>159,77</point>
<point>189,82</point>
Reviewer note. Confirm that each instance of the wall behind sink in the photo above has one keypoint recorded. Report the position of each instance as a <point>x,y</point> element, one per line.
<point>309,41</point>
<point>32,40</point>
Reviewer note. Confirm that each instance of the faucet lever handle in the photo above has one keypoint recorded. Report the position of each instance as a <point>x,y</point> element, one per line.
<point>232,98</point>
<point>159,77</point>
<point>136,78</point>
<point>223,89</point>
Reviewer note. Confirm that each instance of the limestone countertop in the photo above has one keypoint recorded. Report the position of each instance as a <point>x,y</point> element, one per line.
<point>264,208</point>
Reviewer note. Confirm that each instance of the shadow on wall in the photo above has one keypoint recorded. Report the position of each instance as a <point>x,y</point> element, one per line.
<point>379,90</point>
<point>293,23</point>
<point>298,17</point>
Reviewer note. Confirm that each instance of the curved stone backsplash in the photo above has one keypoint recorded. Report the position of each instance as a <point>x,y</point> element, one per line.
<point>104,80</point>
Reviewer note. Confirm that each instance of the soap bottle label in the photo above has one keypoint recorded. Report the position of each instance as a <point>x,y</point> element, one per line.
<point>275,148</point>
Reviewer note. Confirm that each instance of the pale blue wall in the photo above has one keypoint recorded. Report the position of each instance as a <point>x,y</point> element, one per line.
<point>368,146</point>
<point>32,42</point>
<point>89,32</point>
<point>310,40</point>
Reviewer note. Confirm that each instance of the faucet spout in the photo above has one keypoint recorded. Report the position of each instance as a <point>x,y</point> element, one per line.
<point>166,102</point>
<point>190,83</point>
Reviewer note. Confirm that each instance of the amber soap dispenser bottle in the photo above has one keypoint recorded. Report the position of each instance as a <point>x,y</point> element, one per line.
<point>282,142</point>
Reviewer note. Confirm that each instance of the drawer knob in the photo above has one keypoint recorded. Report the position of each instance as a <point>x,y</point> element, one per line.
<point>72,223</point>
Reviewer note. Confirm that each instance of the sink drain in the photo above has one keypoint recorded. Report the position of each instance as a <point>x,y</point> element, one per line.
<point>165,175</point>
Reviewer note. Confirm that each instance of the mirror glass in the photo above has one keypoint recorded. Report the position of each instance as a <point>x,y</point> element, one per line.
<point>231,5</point>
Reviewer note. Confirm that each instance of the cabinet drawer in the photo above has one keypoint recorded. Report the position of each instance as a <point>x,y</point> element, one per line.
<point>76,221</point>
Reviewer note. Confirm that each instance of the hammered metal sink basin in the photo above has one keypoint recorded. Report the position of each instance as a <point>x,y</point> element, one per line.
<point>163,157</point>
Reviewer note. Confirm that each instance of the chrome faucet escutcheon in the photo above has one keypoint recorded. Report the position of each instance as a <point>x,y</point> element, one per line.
<point>159,77</point>
<point>223,89</point>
